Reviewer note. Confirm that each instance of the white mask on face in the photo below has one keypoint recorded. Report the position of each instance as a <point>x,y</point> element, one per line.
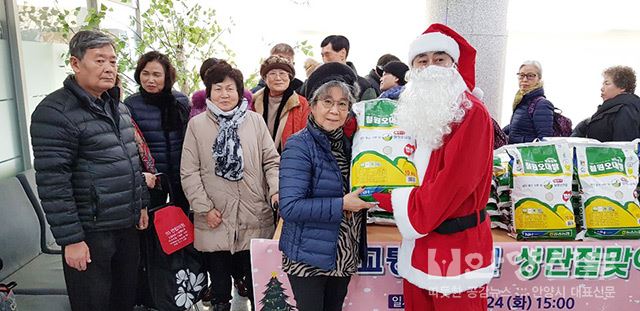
<point>432,100</point>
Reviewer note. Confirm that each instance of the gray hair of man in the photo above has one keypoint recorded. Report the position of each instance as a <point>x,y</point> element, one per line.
<point>533,63</point>
<point>88,39</point>
<point>282,48</point>
<point>323,91</point>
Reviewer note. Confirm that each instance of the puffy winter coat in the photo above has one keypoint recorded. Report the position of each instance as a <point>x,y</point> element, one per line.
<point>374,80</point>
<point>311,199</point>
<point>166,148</point>
<point>367,91</point>
<point>244,204</point>
<point>87,165</point>
<point>617,119</point>
<point>524,126</point>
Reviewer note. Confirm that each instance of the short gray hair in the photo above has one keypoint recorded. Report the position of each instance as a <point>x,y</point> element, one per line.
<point>88,39</point>
<point>323,90</point>
<point>533,63</point>
<point>282,48</point>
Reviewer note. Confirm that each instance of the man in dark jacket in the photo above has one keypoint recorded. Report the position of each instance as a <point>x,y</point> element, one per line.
<point>376,73</point>
<point>335,48</point>
<point>89,178</point>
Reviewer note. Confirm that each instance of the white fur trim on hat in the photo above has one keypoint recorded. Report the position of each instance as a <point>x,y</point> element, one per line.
<point>434,42</point>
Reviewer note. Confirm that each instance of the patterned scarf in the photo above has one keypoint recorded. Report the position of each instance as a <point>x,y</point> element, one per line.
<point>337,149</point>
<point>392,93</point>
<point>521,93</point>
<point>227,150</point>
<point>148,163</point>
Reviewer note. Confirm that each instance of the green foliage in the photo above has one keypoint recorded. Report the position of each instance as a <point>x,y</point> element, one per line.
<point>252,80</point>
<point>304,47</point>
<point>59,25</point>
<point>187,33</point>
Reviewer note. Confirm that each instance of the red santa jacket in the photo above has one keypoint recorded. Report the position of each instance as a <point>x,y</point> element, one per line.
<point>455,182</point>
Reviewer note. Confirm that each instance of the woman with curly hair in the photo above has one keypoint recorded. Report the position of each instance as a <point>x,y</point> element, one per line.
<point>618,117</point>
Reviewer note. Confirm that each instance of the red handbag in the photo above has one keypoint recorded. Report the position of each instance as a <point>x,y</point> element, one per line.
<point>174,269</point>
<point>174,229</point>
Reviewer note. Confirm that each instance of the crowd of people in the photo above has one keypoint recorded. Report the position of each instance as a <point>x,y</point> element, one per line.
<point>233,156</point>
<point>616,119</point>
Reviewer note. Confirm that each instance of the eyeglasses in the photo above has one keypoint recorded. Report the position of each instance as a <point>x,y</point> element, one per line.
<point>528,76</point>
<point>275,74</point>
<point>329,103</point>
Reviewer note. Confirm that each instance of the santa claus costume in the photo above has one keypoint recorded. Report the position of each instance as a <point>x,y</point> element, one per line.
<point>446,252</point>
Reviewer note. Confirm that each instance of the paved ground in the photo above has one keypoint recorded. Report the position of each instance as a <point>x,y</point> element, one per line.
<point>237,304</point>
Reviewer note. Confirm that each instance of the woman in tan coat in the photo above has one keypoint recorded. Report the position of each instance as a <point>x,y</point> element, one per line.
<point>229,173</point>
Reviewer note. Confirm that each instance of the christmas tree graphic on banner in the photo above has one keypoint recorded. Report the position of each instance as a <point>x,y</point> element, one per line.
<point>274,297</point>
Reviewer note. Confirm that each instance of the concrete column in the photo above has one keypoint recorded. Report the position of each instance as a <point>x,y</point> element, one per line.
<point>19,82</point>
<point>484,24</point>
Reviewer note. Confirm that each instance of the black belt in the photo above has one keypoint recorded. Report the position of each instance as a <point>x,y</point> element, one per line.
<point>460,224</point>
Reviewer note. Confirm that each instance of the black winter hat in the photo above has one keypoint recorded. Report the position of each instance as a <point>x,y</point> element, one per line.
<point>398,70</point>
<point>331,72</point>
<point>383,60</point>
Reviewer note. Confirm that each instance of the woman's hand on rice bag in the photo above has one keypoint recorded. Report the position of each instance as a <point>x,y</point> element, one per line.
<point>353,203</point>
<point>384,201</point>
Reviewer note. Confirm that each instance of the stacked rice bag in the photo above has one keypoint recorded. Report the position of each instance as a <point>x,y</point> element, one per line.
<point>607,206</point>
<point>499,203</point>
<point>541,189</point>
<point>382,154</point>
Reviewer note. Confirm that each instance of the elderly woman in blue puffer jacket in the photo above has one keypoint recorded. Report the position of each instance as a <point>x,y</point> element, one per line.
<point>324,234</point>
<point>532,113</point>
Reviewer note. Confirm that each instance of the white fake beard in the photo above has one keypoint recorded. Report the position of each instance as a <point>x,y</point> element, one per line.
<point>431,102</point>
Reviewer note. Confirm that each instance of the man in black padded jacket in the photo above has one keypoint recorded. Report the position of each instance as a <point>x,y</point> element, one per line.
<point>89,178</point>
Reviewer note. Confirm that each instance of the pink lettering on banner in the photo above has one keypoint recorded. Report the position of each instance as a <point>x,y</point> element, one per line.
<point>600,275</point>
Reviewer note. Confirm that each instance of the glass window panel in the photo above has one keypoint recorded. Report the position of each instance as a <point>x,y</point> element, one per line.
<point>39,18</point>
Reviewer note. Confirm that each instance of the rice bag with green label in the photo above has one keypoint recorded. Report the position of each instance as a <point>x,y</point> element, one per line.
<point>541,176</point>
<point>576,192</point>
<point>607,178</point>
<point>382,154</point>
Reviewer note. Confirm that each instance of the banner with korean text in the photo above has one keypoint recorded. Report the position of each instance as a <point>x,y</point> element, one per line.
<point>598,275</point>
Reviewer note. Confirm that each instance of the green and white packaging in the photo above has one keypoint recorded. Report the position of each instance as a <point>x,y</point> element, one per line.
<point>541,190</point>
<point>382,154</point>
<point>607,181</point>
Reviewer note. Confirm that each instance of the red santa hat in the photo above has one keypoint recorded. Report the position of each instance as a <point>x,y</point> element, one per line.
<point>440,38</point>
